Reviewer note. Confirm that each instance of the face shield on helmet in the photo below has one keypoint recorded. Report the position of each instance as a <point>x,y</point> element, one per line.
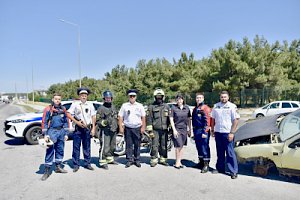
<point>107,96</point>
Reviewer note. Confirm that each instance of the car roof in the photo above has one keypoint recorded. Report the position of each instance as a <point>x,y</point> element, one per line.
<point>285,101</point>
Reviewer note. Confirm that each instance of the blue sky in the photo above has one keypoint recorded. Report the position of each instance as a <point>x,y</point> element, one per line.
<point>123,32</point>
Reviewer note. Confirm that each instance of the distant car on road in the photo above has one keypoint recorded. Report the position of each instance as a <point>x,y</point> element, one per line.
<point>28,125</point>
<point>276,107</point>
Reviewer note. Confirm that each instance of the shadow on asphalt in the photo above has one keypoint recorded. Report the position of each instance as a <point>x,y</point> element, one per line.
<point>15,142</point>
<point>273,174</point>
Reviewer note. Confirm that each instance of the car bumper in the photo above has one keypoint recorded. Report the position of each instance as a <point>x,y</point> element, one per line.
<point>14,130</point>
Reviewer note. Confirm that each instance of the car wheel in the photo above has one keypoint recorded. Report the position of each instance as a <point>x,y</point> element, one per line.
<point>261,170</point>
<point>33,134</point>
<point>259,115</point>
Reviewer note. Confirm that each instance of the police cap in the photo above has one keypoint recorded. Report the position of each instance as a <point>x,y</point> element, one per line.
<point>83,90</point>
<point>132,92</point>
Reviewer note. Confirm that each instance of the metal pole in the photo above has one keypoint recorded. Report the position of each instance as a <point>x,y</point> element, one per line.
<point>32,87</point>
<point>79,66</point>
<point>78,30</point>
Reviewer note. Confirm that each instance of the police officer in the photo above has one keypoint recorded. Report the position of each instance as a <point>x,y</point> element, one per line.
<point>54,128</point>
<point>201,128</point>
<point>84,115</point>
<point>223,126</point>
<point>157,126</point>
<point>132,122</point>
<point>107,120</point>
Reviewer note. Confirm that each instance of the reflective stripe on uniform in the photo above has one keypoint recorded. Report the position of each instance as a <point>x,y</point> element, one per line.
<point>102,162</point>
<point>162,159</point>
<point>109,159</point>
<point>152,161</point>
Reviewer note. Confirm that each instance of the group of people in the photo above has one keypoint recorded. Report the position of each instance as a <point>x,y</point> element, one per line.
<point>132,120</point>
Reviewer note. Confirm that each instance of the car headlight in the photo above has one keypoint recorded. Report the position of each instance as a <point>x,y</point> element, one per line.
<point>17,121</point>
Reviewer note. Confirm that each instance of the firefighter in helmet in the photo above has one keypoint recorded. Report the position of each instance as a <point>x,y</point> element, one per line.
<point>107,120</point>
<point>157,126</point>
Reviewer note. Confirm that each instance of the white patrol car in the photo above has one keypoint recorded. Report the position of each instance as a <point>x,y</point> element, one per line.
<point>28,125</point>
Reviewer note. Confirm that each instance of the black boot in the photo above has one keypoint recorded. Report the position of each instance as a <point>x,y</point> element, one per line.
<point>58,169</point>
<point>200,164</point>
<point>46,174</point>
<point>205,167</point>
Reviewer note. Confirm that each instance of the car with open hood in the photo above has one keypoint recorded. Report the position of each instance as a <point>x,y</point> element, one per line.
<point>271,141</point>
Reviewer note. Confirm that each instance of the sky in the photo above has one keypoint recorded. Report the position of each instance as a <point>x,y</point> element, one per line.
<point>38,50</point>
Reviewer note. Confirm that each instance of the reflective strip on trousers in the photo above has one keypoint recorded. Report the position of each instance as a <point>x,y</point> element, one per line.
<point>155,160</point>
<point>162,159</point>
<point>102,162</point>
<point>109,159</point>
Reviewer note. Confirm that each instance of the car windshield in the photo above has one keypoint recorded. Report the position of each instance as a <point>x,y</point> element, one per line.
<point>266,106</point>
<point>290,125</point>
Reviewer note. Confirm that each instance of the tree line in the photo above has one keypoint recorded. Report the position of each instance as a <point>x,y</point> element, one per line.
<point>234,67</point>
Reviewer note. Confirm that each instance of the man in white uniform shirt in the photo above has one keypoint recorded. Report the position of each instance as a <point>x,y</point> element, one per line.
<point>132,122</point>
<point>224,121</point>
<point>84,115</point>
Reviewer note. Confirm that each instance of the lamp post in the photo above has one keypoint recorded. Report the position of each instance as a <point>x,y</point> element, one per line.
<point>78,30</point>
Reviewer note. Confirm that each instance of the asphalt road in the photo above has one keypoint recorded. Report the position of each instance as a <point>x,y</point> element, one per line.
<point>22,167</point>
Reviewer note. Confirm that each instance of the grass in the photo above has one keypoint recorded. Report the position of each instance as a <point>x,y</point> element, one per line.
<point>28,108</point>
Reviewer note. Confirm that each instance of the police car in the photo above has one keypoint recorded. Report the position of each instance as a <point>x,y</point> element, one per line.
<point>28,125</point>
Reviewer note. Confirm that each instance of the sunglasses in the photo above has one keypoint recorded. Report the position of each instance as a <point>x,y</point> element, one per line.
<point>132,96</point>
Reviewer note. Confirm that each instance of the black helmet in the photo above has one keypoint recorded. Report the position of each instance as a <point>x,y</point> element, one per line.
<point>107,93</point>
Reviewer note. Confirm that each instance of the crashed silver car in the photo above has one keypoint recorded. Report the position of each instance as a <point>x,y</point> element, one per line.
<point>271,141</point>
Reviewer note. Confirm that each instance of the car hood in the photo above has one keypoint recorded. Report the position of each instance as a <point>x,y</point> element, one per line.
<point>26,116</point>
<point>259,127</point>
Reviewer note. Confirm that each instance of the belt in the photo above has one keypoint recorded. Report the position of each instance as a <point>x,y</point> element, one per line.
<point>57,128</point>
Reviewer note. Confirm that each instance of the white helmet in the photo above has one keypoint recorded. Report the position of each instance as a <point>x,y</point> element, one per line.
<point>158,91</point>
<point>45,144</point>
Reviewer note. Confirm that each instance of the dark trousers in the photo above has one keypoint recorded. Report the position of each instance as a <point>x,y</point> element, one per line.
<point>57,149</point>
<point>159,144</point>
<point>107,143</point>
<point>133,143</point>
<point>81,135</point>
<point>202,144</point>
<point>224,146</point>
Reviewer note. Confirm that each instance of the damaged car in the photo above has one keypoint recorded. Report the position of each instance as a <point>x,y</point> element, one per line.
<point>271,141</point>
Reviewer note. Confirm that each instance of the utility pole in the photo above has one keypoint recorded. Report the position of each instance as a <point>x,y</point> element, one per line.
<point>26,89</point>
<point>16,95</point>
<point>32,87</point>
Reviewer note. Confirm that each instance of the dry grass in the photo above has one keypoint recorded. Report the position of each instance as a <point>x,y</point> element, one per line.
<point>38,103</point>
<point>28,108</point>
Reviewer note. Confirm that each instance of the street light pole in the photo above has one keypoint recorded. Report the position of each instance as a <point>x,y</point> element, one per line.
<point>78,30</point>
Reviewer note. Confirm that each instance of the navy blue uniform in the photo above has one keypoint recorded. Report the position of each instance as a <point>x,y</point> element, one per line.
<point>201,122</point>
<point>55,126</point>
<point>181,119</point>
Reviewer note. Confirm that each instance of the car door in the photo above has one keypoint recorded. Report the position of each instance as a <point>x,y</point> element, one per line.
<point>273,109</point>
<point>295,106</point>
<point>290,158</point>
<point>286,107</point>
